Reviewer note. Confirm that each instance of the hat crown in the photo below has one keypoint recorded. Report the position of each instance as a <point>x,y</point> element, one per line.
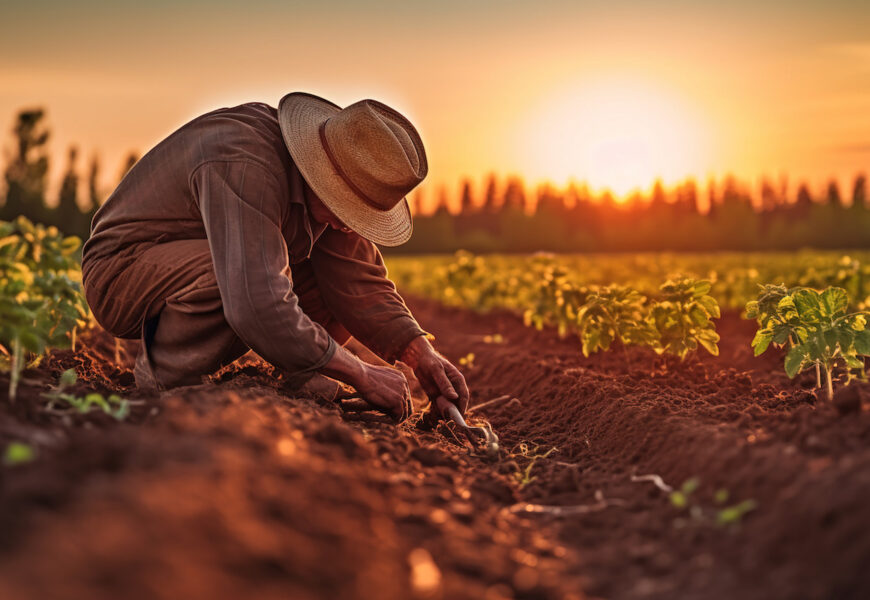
<point>376,150</point>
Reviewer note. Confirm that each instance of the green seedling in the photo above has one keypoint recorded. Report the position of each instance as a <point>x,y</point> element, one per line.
<point>523,476</point>
<point>18,453</point>
<point>613,313</point>
<point>680,498</point>
<point>114,405</point>
<point>734,514</point>
<point>820,331</point>
<point>41,304</point>
<point>683,318</point>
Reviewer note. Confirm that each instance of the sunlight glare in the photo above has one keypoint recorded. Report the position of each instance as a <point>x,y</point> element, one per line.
<point>616,134</point>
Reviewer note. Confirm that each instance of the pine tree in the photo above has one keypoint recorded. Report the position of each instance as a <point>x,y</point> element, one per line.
<point>68,216</point>
<point>26,174</point>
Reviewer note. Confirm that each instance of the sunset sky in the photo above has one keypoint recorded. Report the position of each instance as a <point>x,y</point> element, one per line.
<point>616,93</point>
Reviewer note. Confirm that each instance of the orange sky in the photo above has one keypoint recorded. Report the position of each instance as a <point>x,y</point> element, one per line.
<point>616,93</point>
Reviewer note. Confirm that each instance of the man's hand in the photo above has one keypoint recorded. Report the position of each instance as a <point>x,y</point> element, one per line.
<point>437,375</point>
<point>387,389</point>
<point>383,387</point>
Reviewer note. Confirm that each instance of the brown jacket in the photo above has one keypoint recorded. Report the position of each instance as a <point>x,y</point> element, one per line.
<point>227,177</point>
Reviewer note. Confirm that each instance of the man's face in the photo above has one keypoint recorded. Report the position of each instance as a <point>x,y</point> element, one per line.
<point>322,214</point>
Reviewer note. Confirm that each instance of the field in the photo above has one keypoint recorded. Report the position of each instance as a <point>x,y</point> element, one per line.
<point>628,473</point>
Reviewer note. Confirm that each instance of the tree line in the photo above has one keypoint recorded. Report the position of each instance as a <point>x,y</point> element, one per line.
<point>26,180</point>
<point>508,217</point>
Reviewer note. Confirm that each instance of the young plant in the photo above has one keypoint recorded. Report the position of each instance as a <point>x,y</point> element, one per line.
<point>822,332</point>
<point>683,317</point>
<point>613,313</point>
<point>114,405</point>
<point>556,301</point>
<point>41,304</point>
<point>523,476</point>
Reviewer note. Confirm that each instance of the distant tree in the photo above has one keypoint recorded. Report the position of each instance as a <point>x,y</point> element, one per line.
<point>769,197</point>
<point>466,200</point>
<point>129,163</point>
<point>443,207</point>
<point>27,170</point>
<point>490,199</point>
<point>94,198</point>
<point>515,195</point>
<point>804,197</point>
<point>549,200</point>
<point>68,216</point>
<point>417,202</point>
<point>859,192</point>
<point>658,198</point>
<point>712,198</point>
<point>688,193</point>
<point>833,197</point>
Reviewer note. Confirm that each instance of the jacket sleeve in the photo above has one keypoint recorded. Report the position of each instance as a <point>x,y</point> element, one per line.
<point>353,282</point>
<point>240,203</point>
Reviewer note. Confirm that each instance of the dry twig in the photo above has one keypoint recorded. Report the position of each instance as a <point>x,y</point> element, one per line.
<point>567,511</point>
<point>655,480</point>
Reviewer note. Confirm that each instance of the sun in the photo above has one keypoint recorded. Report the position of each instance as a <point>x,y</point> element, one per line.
<point>619,134</point>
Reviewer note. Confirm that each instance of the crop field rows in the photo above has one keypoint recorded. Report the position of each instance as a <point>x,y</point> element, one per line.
<point>666,430</point>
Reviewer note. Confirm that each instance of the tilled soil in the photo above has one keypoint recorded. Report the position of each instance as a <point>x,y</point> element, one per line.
<point>235,488</point>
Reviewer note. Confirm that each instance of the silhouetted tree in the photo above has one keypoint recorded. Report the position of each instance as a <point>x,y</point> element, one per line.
<point>466,204</point>
<point>490,199</point>
<point>515,195</point>
<point>833,197</point>
<point>26,174</point>
<point>68,216</point>
<point>859,192</point>
<point>129,163</point>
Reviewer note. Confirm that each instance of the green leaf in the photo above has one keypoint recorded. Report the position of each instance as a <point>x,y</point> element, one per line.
<point>807,303</point>
<point>794,360</point>
<point>833,300</point>
<point>710,346</point>
<point>710,304</point>
<point>761,341</point>
<point>701,288</point>
<point>752,309</point>
<point>68,378</point>
<point>690,485</point>
<point>862,342</point>
<point>18,453</point>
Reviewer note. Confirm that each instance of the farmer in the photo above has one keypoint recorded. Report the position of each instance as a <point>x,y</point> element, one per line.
<point>255,228</point>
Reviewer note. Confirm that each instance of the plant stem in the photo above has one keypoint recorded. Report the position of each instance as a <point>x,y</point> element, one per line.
<point>830,384</point>
<point>818,375</point>
<point>15,374</point>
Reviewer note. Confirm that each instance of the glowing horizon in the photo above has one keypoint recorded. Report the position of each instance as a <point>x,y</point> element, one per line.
<point>617,94</point>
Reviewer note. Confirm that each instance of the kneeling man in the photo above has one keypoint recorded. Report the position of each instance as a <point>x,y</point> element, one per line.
<point>255,228</point>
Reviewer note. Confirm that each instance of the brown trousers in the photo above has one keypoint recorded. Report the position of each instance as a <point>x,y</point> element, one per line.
<point>168,297</point>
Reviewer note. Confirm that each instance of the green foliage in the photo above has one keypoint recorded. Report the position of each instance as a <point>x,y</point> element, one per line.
<point>614,313</point>
<point>818,328</point>
<point>683,318</point>
<point>114,405</point>
<point>18,453</point>
<point>41,304</point>
<point>732,515</point>
<point>680,498</point>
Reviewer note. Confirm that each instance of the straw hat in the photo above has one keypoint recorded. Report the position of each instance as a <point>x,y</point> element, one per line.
<point>361,161</point>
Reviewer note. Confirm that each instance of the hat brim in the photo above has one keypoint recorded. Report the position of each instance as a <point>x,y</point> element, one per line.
<point>300,116</point>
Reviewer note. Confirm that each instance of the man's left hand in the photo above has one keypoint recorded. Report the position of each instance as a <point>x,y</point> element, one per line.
<point>436,374</point>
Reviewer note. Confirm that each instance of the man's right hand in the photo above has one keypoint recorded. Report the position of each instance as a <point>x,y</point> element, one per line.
<point>385,388</point>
